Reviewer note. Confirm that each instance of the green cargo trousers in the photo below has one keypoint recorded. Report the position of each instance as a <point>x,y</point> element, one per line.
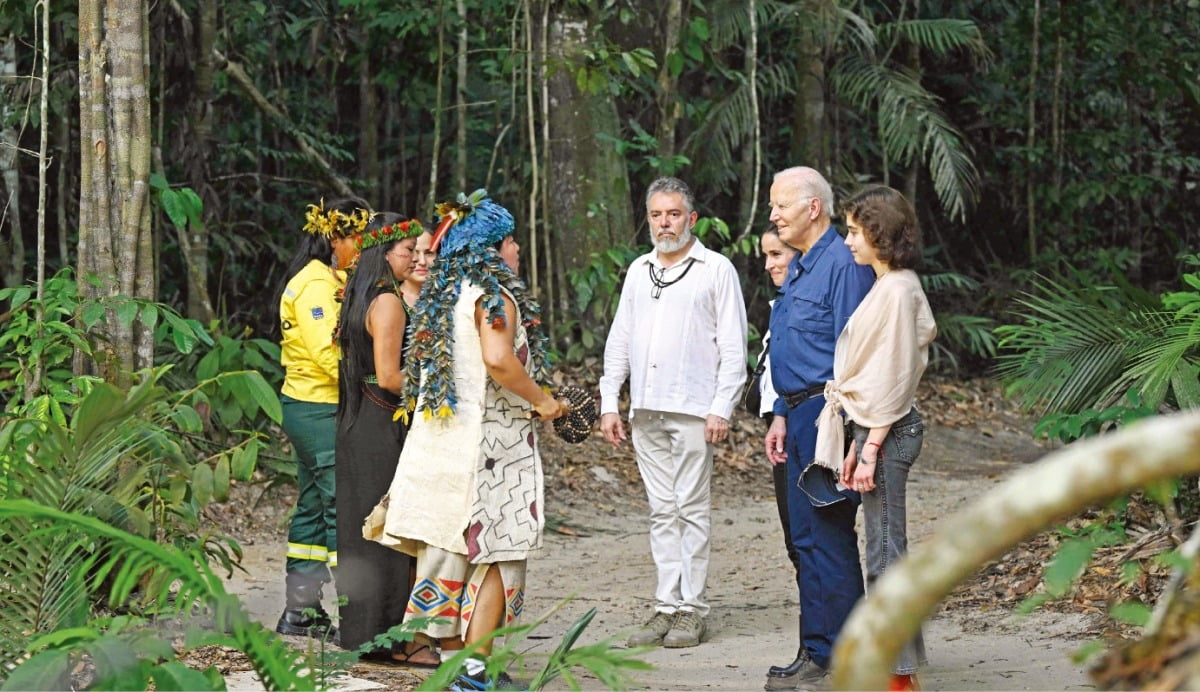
<point>312,545</point>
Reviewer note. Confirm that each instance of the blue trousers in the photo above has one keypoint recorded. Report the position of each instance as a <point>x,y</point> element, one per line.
<point>831,580</point>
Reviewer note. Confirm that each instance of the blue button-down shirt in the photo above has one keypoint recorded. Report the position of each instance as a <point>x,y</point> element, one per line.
<point>822,289</point>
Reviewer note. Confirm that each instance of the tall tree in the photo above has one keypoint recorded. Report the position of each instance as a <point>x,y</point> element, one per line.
<point>670,104</point>
<point>589,204</point>
<point>194,237</point>
<point>13,271</point>
<point>115,243</point>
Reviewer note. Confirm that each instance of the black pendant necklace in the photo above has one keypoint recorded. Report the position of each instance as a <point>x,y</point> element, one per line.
<point>657,279</point>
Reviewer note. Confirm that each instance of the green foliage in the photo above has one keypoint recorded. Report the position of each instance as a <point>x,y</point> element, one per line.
<point>596,291</point>
<point>49,332</point>
<point>97,558</point>
<point>608,664</point>
<point>1080,347</point>
<point>1071,558</point>
<point>182,206</point>
<point>1068,427</point>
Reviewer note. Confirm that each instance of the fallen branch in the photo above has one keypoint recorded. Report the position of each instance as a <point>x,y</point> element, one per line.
<point>1061,484</point>
<point>238,74</point>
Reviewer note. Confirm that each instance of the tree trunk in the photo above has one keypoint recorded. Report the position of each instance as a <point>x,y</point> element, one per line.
<point>913,174</point>
<point>1031,135</point>
<point>368,130</point>
<point>460,101</point>
<point>670,105</point>
<point>114,212</point>
<point>809,121</point>
<point>752,157</point>
<point>437,110</point>
<point>590,209</point>
<point>12,271</point>
<point>194,239</point>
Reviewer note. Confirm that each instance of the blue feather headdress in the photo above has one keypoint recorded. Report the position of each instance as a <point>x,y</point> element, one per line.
<point>467,232</point>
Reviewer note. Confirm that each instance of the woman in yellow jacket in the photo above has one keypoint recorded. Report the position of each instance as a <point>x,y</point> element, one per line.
<point>308,311</point>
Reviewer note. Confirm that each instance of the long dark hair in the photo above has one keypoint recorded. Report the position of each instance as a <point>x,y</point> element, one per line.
<point>314,246</point>
<point>371,274</point>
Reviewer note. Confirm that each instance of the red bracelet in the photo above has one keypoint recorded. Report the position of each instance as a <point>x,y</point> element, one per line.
<point>877,445</point>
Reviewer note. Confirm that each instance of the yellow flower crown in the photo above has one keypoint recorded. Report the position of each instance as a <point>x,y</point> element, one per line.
<point>332,223</point>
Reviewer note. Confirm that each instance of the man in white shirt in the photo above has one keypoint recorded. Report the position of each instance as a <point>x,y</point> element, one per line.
<point>679,337</point>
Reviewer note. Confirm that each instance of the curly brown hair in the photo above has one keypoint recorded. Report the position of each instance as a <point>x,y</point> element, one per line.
<point>889,223</point>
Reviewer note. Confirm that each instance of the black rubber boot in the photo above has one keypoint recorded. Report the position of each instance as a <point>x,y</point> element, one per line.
<point>794,667</point>
<point>304,616</point>
<point>790,669</point>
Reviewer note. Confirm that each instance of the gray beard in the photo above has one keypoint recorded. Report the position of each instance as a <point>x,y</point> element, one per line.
<point>668,246</point>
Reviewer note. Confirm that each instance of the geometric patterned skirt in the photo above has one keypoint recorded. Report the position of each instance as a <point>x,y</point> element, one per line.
<point>447,585</point>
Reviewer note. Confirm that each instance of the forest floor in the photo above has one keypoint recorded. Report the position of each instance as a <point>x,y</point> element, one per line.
<point>598,556</point>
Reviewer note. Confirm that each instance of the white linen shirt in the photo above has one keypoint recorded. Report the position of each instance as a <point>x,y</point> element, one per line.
<point>685,351</point>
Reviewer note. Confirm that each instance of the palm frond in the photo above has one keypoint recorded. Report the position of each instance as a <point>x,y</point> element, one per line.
<point>1073,346</point>
<point>122,561</point>
<point>939,36</point>
<point>912,124</point>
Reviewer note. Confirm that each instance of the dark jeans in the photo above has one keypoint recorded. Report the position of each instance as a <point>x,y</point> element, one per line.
<point>779,480</point>
<point>885,511</point>
<point>825,542</point>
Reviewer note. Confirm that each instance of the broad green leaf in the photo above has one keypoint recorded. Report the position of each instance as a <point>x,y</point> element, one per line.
<point>1067,565</point>
<point>19,296</point>
<point>221,479</point>
<point>264,395</point>
<point>192,206</point>
<point>181,334</point>
<point>187,419</point>
<point>208,366</point>
<point>117,666</point>
<point>150,315</point>
<point>126,312</point>
<point>174,676</point>
<point>1131,613</point>
<point>178,489</point>
<point>158,182</point>
<point>172,204</point>
<point>675,63</point>
<point>244,461</point>
<point>202,483</point>
<point>98,407</point>
<point>93,312</point>
<point>48,670</point>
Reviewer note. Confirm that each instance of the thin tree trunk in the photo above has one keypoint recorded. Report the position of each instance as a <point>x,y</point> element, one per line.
<point>670,106</point>
<point>756,152</point>
<point>194,238</point>
<point>1031,134</point>
<point>533,148</point>
<point>460,100</point>
<point>913,174</point>
<point>34,383</point>
<point>437,108</point>
<point>392,119</point>
<point>368,129</point>
<point>60,195</point>
<point>1056,109</point>
<point>13,271</point>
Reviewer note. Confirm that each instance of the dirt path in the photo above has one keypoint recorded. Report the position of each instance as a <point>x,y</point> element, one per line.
<point>753,622</point>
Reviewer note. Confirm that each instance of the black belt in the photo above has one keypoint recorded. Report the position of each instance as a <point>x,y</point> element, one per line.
<point>794,400</point>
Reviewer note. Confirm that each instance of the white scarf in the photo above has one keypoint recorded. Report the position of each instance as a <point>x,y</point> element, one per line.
<point>877,363</point>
